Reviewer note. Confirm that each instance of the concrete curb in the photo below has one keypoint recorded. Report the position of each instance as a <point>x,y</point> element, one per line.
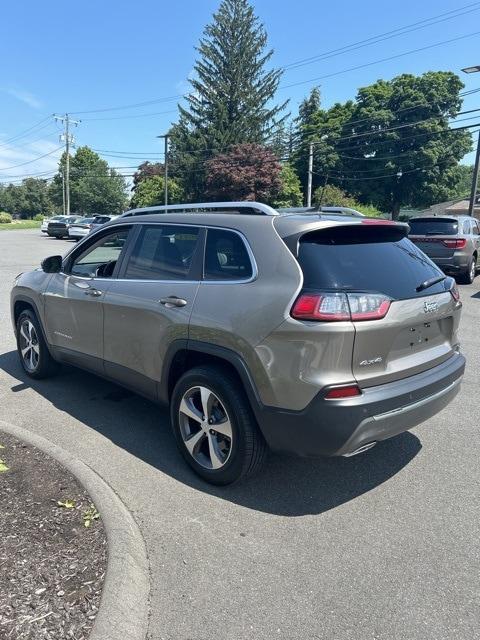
<point>124,604</point>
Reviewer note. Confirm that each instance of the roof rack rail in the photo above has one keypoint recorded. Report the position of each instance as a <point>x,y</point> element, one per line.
<point>338,211</point>
<point>242,208</point>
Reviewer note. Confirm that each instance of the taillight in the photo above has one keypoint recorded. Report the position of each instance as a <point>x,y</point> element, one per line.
<point>334,307</point>
<point>321,306</point>
<point>347,391</point>
<point>457,243</point>
<point>368,306</point>
<point>455,292</point>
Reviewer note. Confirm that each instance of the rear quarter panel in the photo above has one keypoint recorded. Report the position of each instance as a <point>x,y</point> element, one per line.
<point>239,316</point>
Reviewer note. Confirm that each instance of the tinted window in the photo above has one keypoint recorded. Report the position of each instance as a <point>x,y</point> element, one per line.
<point>100,258</point>
<point>365,259</point>
<point>466,227</point>
<point>162,253</point>
<point>433,227</point>
<point>475,228</point>
<point>226,257</point>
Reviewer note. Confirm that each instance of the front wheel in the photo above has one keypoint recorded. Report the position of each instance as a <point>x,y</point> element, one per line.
<point>32,348</point>
<point>214,426</point>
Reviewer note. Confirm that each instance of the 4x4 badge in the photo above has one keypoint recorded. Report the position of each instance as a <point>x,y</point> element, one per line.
<point>430,307</point>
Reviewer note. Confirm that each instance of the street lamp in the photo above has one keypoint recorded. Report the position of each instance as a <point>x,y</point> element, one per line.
<point>473,192</point>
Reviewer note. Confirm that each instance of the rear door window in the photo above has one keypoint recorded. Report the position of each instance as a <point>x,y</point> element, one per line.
<point>162,252</point>
<point>226,256</point>
<point>433,227</point>
<point>357,258</point>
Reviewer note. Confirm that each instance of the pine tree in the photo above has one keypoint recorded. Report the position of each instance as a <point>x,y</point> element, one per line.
<point>232,92</point>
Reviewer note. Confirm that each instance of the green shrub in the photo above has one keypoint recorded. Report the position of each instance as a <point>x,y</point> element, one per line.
<point>5,218</point>
<point>369,210</point>
<point>39,217</point>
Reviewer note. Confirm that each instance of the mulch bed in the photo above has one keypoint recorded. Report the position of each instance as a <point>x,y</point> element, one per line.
<point>52,566</point>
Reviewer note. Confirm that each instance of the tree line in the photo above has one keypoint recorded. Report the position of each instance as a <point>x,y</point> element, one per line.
<point>392,145</point>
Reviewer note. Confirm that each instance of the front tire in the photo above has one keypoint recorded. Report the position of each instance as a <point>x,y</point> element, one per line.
<point>32,348</point>
<point>214,426</point>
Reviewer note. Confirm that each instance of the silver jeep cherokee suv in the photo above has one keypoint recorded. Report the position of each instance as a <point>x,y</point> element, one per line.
<point>313,334</point>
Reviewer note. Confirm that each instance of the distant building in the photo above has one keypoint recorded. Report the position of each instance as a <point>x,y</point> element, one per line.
<point>452,208</point>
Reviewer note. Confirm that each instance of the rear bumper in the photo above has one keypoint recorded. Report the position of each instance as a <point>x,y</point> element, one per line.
<point>77,234</point>
<point>456,263</point>
<point>58,233</point>
<point>340,427</point>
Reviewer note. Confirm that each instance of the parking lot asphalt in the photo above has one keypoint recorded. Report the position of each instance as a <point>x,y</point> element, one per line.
<point>380,546</point>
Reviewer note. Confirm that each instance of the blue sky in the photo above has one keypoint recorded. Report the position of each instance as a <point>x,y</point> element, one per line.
<point>76,57</point>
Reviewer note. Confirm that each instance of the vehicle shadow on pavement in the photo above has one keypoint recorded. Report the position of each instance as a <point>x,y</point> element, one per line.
<point>287,486</point>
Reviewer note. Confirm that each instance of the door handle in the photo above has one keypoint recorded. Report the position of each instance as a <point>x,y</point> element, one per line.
<point>91,291</point>
<point>173,301</point>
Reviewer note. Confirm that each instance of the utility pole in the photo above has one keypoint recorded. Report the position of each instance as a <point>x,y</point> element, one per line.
<point>473,193</point>
<point>166,136</point>
<point>310,168</point>
<point>68,138</point>
<point>63,192</point>
<point>310,175</point>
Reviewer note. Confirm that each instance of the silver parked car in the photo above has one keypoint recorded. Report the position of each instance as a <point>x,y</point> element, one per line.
<point>78,230</point>
<point>309,334</point>
<point>452,242</point>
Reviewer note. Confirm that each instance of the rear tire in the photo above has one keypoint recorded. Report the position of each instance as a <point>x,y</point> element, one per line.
<point>468,276</point>
<point>214,426</point>
<point>32,349</point>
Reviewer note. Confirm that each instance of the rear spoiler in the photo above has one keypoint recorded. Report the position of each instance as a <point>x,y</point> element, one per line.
<point>353,231</point>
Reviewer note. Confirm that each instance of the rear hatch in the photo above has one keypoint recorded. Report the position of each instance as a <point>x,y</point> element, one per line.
<point>437,237</point>
<point>404,321</point>
<point>57,226</point>
<point>86,223</point>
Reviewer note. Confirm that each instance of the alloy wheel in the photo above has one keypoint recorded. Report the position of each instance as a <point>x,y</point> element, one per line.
<point>205,427</point>
<point>29,346</point>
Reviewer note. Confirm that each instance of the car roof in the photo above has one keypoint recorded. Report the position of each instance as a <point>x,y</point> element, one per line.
<point>285,225</point>
<point>431,218</point>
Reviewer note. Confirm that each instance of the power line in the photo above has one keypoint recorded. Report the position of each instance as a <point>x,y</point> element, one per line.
<point>14,166</point>
<point>421,135</point>
<point>153,155</point>
<point>6,143</point>
<point>138,115</point>
<point>400,31</point>
<point>413,26</point>
<point>129,106</point>
<point>374,62</point>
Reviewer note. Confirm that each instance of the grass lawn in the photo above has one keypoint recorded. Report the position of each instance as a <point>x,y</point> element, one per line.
<point>20,224</point>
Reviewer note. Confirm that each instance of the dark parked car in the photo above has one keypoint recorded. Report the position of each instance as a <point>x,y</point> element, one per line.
<point>59,228</point>
<point>451,242</point>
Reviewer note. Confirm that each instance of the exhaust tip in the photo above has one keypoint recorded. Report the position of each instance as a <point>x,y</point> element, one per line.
<point>361,449</point>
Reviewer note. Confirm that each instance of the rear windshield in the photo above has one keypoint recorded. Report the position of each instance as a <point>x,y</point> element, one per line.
<point>366,259</point>
<point>433,227</point>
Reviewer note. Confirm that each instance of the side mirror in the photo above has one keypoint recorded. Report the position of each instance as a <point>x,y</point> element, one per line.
<point>52,264</point>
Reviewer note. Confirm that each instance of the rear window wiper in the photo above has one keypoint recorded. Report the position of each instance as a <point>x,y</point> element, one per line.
<point>429,283</point>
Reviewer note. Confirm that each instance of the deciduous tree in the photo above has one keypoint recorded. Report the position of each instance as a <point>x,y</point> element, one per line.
<point>247,172</point>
